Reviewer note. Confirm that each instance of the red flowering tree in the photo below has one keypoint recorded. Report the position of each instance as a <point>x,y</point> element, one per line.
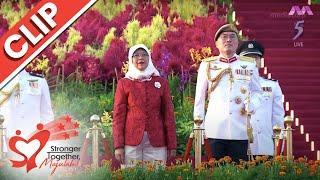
<point>114,59</point>
<point>4,25</point>
<point>121,20</point>
<point>173,53</point>
<point>93,27</point>
<point>30,3</point>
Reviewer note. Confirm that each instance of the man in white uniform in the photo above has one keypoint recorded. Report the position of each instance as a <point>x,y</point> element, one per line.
<point>24,103</point>
<point>272,112</point>
<point>231,85</point>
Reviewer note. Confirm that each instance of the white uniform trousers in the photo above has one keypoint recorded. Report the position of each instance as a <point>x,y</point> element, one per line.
<point>144,152</point>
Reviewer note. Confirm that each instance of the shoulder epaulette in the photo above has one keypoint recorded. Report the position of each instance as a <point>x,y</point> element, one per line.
<point>36,75</point>
<point>269,79</point>
<point>209,59</point>
<point>246,58</point>
<point>273,80</point>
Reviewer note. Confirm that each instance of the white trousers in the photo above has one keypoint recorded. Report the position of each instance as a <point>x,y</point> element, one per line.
<point>144,152</point>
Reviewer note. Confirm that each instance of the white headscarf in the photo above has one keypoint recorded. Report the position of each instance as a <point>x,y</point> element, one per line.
<point>134,73</point>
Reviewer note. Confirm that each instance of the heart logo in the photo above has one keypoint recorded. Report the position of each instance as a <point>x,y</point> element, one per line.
<point>28,149</point>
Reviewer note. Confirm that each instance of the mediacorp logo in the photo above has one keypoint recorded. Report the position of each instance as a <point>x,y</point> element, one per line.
<point>34,32</point>
<point>300,12</point>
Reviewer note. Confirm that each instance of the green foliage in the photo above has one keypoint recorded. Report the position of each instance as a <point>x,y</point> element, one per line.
<point>226,2</point>
<point>60,50</point>
<point>183,106</point>
<point>110,9</point>
<point>40,64</point>
<point>148,35</point>
<point>187,9</point>
<point>184,124</point>
<point>230,15</point>
<point>131,33</point>
<point>264,170</point>
<point>315,1</point>
<point>73,38</point>
<point>13,16</point>
<point>98,53</point>
<point>81,100</point>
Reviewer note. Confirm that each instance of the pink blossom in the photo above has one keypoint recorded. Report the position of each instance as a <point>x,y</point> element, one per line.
<point>114,58</point>
<point>121,20</point>
<point>89,25</point>
<point>91,69</point>
<point>30,3</point>
<point>145,13</point>
<point>4,25</point>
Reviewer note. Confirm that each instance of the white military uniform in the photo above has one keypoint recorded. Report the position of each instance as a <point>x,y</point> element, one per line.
<point>270,114</point>
<point>28,105</point>
<point>223,119</point>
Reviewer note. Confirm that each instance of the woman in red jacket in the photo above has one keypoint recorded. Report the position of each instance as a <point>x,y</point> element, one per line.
<point>144,127</point>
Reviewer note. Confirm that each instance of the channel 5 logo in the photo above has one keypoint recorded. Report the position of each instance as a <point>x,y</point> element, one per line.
<point>300,12</point>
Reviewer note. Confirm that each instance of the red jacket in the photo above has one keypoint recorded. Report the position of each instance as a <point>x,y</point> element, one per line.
<point>143,106</point>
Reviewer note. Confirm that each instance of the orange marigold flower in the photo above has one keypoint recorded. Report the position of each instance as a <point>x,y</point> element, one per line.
<point>179,178</point>
<point>283,168</point>
<point>169,168</point>
<point>278,158</point>
<point>221,160</point>
<point>302,160</point>
<point>240,167</point>
<point>311,162</point>
<point>281,173</point>
<point>179,160</point>
<point>264,158</point>
<point>267,164</point>
<point>258,158</point>
<point>119,177</point>
<point>298,171</point>
<point>150,168</point>
<point>227,159</point>
<point>313,168</point>
<point>252,163</point>
<point>211,162</point>
<point>201,168</point>
<point>242,162</point>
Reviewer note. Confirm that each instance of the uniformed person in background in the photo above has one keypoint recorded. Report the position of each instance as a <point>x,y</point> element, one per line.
<point>231,85</point>
<point>25,102</point>
<point>272,112</point>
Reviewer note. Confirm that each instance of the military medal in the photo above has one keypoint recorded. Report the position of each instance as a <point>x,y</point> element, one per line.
<point>267,91</point>
<point>243,90</point>
<point>231,78</point>
<point>157,85</point>
<point>243,66</point>
<point>238,100</point>
<point>242,111</point>
<point>16,97</point>
<point>34,86</point>
<point>215,68</point>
